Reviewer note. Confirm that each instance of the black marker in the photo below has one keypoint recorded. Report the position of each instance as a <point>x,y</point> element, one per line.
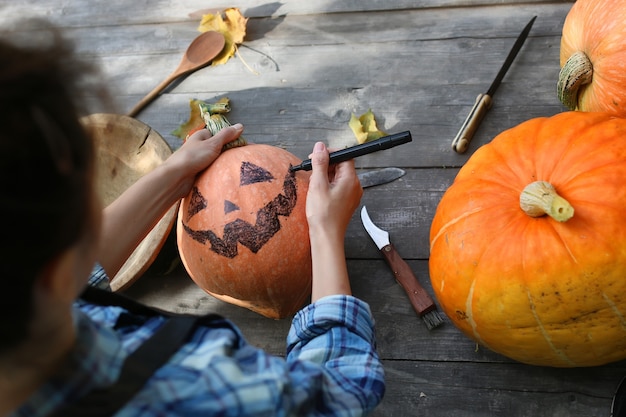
<point>385,142</point>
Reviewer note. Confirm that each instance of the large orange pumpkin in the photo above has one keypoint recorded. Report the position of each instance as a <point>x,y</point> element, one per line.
<point>593,57</point>
<point>242,232</point>
<point>540,289</point>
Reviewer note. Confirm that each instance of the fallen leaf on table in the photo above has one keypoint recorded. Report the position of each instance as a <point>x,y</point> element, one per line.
<point>229,23</point>
<point>194,123</point>
<point>364,127</point>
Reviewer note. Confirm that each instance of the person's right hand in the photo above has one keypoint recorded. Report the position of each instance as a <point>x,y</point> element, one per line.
<point>334,192</point>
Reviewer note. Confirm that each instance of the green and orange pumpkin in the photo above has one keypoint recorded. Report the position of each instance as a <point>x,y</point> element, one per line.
<point>528,245</point>
<point>593,57</point>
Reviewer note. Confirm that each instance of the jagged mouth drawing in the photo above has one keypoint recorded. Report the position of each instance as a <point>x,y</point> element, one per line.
<point>252,236</point>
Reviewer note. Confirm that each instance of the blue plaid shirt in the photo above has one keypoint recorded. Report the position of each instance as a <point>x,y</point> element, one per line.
<point>331,367</point>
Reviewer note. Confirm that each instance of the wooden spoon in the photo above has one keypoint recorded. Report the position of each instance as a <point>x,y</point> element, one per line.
<point>199,54</point>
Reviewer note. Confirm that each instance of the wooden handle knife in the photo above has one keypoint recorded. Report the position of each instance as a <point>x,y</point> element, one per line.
<point>420,300</point>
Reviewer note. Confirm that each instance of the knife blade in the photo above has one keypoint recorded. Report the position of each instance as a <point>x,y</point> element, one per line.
<point>379,176</point>
<point>618,405</point>
<point>483,101</point>
<point>420,300</point>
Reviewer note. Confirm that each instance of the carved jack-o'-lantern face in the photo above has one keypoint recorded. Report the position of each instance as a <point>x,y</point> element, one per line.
<point>242,231</point>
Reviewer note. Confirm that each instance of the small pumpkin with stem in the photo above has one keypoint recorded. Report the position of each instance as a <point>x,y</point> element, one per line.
<point>528,245</point>
<point>593,57</point>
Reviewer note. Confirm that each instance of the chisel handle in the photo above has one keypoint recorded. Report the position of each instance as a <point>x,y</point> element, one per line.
<point>471,123</point>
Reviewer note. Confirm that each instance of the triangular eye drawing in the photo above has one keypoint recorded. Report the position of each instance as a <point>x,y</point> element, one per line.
<point>229,207</point>
<point>253,236</point>
<point>197,203</point>
<point>251,174</point>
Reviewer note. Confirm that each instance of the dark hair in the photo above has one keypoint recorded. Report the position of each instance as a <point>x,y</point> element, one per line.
<point>45,168</point>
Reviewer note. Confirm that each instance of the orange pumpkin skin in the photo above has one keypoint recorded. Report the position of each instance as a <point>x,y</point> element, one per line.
<point>597,28</point>
<point>243,234</point>
<point>536,290</point>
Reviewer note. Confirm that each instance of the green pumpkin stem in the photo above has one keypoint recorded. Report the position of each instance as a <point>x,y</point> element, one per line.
<point>577,71</point>
<point>213,116</point>
<point>540,198</point>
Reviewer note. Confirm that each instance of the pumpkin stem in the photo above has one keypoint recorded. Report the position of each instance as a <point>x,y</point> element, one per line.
<point>540,198</point>
<point>213,116</point>
<point>577,71</point>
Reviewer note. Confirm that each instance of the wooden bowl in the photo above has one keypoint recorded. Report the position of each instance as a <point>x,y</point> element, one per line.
<point>126,150</point>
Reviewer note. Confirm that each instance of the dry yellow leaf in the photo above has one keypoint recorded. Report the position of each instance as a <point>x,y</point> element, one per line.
<point>195,120</point>
<point>365,128</point>
<point>229,23</point>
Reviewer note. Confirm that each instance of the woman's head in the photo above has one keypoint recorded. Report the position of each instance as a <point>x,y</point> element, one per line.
<point>45,170</point>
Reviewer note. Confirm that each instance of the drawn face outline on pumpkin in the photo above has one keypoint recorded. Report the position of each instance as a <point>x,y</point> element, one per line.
<point>254,237</point>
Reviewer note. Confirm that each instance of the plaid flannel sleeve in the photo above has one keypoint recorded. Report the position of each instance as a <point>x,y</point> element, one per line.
<point>99,278</point>
<point>332,343</point>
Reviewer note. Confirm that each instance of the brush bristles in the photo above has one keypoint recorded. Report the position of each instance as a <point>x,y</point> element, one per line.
<point>432,319</point>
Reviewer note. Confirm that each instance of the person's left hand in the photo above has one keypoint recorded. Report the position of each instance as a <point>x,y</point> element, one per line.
<point>197,153</point>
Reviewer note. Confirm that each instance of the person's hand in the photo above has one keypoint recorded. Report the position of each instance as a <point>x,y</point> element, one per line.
<point>334,192</point>
<point>197,153</point>
<point>128,219</point>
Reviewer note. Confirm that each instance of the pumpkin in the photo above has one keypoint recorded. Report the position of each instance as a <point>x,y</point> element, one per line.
<point>528,244</point>
<point>242,232</point>
<point>593,57</point>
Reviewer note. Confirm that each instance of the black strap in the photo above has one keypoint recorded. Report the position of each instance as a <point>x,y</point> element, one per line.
<point>139,365</point>
<point>137,368</point>
<point>107,298</point>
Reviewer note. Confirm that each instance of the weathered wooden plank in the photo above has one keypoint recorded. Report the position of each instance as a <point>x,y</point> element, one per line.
<point>425,84</point>
<point>405,209</point>
<point>335,51</point>
<point>295,118</point>
<point>428,389</point>
<point>360,28</point>
<point>121,12</point>
<point>401,333</point>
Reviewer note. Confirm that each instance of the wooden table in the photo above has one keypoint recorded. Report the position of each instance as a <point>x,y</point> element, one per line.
<point>419,66</point>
